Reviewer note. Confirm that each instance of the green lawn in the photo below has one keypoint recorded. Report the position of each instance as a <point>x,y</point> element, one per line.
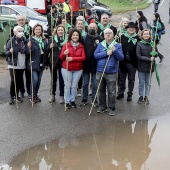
<point>120,6</point>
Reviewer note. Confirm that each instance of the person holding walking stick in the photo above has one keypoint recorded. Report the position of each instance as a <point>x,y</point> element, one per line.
<point>107,54</point>
<point>37,45</point>
<point>145,62</point>
<point>16,51</point>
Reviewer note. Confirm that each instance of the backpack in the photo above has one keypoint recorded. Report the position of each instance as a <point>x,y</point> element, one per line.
<point>162,31</point>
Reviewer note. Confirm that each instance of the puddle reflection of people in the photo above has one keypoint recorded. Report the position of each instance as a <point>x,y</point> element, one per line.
<point>140,145</point>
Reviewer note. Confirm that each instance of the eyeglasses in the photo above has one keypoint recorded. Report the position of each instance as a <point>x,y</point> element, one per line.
<point>108,33</point>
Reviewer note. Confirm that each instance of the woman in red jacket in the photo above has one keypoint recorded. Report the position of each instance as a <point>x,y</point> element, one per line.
<point>73,56</point>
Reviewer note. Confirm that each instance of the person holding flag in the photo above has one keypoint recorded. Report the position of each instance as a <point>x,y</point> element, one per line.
<point>146,54</point>
<point>107,54</point>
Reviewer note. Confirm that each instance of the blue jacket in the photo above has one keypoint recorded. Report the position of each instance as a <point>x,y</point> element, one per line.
<point>101,56</point>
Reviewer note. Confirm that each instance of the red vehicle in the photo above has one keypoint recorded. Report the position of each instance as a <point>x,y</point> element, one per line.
<point>41,5</point>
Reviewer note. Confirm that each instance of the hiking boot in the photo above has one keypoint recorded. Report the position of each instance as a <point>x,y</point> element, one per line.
<point>79,93</point>
<point>11,101</point>
<point>111,112</point>
<point>33,99</point>
<point>83,102</point>
<point>102,110</point>
<point>19,99</point>
<point>146,100</point>
<point>61,100</point>
<point>68,106</point>
<point>120,96</point>
<point>73,104</point>
<point>51,99</point>
<point>129,97</point>
<point>140,100</point>
<point>38,99</point>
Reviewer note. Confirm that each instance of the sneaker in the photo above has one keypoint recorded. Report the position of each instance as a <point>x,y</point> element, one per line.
<point>79,93</point>
<point>120,96</point>
<point>129,97</point>
<point>83,102</point>
<point>33,100</point>
<point>68,106</point>
<point>61,100</point>
<point>161,59</point>
<point>102,110</point>
<point>140,100</point>
<point>146,100</point>
<point>22,95</point>
<point>111,112</point>
<point>73,104</point>
<point>38,99</point>
<point>19,99</point>
<point>11,101</point>
<point>51,99</point>
<point>90,93</point>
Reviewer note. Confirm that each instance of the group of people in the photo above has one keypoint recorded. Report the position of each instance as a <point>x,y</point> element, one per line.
<point>94,51</point>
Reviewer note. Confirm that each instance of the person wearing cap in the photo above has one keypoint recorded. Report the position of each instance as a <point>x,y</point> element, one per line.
<point>103,24</point>
<point>127,67</point>
<point>107,54</point>
<point>54,19</point>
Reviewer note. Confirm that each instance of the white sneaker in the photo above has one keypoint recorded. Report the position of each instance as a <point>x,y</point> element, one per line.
<point>51,99</point>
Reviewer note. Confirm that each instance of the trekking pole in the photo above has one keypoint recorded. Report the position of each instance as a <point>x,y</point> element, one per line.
<point>99,85</point>
<point>169,12</point>
<point>52,55</point>
<point>67,70</point>
<point>32,89</point>
<point>150,72</point>
<point>16,95</point>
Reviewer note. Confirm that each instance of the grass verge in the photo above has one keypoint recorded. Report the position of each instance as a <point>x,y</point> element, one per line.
<point>121,6</point>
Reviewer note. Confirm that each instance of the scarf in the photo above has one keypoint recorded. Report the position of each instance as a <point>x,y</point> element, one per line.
<point>20,44</point>
<point>40,42</point>
<point>75,45</point>
<point>26,30</point>
<point>122,31</point>
<point>83,33</point>
<point>102,27</point>
<point>60,44</point>
<point>131,38</point>
<point>67,27</point>
<point>105,45</point>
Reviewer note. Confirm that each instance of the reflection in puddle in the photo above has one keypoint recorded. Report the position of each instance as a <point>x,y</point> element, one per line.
<point>121,145</point>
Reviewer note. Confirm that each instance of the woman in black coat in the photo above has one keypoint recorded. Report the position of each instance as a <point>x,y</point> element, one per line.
<point>37,44</point>
<point>56,44</point>
<point>145,60</point>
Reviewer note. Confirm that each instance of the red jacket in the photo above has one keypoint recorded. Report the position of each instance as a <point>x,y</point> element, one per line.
<point>78,56</point>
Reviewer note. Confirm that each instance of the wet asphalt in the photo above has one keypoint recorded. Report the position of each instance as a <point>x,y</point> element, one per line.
<point>28,127</point>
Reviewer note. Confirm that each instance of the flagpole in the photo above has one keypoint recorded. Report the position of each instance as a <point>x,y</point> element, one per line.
<point>151,63</point>
<point>16,96</point>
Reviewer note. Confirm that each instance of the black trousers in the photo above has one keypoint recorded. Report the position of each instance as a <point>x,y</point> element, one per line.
<point>18,80</point>
<point>129,71</point>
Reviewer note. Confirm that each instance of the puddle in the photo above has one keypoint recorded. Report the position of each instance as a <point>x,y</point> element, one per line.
<point>121,145</point>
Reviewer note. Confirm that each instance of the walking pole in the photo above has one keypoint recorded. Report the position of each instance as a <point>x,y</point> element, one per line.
<point>3,29</point>
<point>16,96</point>
<point>52,55</point>
<point>152,62</point>
<point>31,71</point>
<point>99,85</point>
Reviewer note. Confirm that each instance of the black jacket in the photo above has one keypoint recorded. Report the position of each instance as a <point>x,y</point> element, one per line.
<point>143,54</point>
<point>90,45</point>
<point>36,56</point>
<point>16,50</point>
<point>128,49</point>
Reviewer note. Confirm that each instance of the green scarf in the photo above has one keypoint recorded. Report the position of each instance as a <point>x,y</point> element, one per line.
<point>100,25</point>
<point>122,31</point>
<point>26,29</point>
<point>131,38</point>
<point>67,27</point>
<point>40,42</point>
<point>2,27</point>
<point>85,23</point>
<point>105,45</point>
<point>83,33</point>
<point>61,44</point>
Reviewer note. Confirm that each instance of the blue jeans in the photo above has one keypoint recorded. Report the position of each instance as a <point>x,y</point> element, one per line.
<point>71,79</point>
<point>109,81</point>
<point>86,78</point>
<point>36,78</point>
<point>143,83</point>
